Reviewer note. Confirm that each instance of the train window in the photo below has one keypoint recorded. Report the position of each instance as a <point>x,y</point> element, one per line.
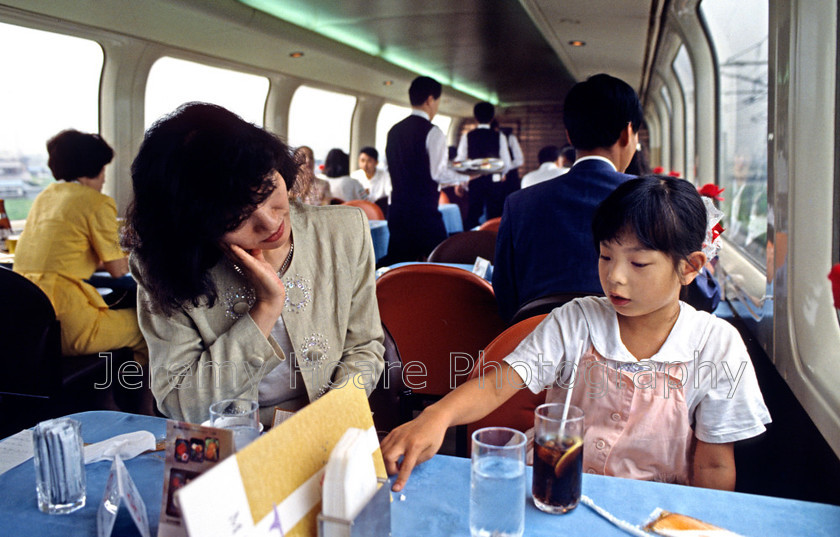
<point>685,76</point>
<point>391,114</point>
<point>739,32</point>
<point>50,83</point>
<point>321,119</point>
<point>173,82</point>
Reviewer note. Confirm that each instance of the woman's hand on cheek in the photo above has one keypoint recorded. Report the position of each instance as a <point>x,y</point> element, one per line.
<point>268,287</point>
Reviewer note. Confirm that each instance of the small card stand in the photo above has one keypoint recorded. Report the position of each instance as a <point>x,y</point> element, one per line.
<point>483,268</point>
<point>373,519</point>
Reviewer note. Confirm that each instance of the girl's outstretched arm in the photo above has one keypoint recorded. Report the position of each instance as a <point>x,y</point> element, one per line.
<point>714,466</point>
<point>419,439</point>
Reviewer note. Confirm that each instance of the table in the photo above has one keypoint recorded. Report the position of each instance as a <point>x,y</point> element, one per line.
<point>380,235</point>
<point>434,502</point>
<point>451,218</point>
<point>383,270</point>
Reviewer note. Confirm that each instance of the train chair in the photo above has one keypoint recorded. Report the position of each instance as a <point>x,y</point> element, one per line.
<point>372,210</point>
<point>38,382</point>
<point>440,318</point>
<point>545,304</point>
<point>491,225</point>
<point>385,398</point>
<point>518,411</point>
<point>465,247</point>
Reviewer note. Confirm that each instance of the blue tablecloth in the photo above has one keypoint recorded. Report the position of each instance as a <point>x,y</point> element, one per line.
<point>437,503</point>
<point>383,270</point>
<point>451,218</point>
<point>380,235</point>
<point>434,502</point>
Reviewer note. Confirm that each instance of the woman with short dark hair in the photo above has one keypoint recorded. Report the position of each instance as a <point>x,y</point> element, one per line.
<point>243,293</point>
<point>337,172</point>
<point>72,229</point>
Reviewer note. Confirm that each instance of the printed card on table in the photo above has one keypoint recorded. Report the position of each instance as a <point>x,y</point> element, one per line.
<point>273,486</point>
<point>121,487</point>
<point>190,451</point>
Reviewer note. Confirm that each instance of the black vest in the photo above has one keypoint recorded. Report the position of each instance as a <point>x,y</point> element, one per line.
<point>482,143</point>
<point>414,191</point>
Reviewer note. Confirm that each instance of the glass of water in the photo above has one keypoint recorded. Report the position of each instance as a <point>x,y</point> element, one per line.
<point>497,484</point>
<point>242,416</point>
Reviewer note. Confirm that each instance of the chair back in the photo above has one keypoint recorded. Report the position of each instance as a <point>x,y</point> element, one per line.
<point>440,318</point>
<point>545,304</point>
<point>385,398</point>
<point>465,247</point>
<point>492,224</point>
<point>30,336</point>
<point>33,368</point>
<point>518,411</point>
<point>372,210</point>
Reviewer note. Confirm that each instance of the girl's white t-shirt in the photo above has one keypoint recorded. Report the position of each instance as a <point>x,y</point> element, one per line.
<point>704,354</point>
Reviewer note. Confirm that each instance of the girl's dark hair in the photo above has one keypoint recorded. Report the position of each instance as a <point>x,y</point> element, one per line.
<point>665,213</point>
<point>200,172</point>
<point>75,154</point>
<point>337,163</point>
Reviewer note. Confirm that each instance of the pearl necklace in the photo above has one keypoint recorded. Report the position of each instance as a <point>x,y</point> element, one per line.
<point>288,260</point>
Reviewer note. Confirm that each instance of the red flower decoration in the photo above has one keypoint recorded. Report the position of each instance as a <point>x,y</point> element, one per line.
<point>658,170</point>
<point>834,276</point>
<point>673,173</point>
<point>711,190</point>
<point>717,230</point>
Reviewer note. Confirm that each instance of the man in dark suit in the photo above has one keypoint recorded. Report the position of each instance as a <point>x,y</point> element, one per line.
<point>544,244</point>
<point>417,161</point>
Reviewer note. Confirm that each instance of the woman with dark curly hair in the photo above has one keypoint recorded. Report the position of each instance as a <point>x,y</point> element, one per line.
<point>244,294</point>
<point>70,231</point>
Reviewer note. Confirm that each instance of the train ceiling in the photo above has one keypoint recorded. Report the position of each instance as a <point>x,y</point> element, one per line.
<point>504,51</point>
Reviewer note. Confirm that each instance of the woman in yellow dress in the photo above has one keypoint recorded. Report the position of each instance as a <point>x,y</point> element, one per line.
<point>70,231</point>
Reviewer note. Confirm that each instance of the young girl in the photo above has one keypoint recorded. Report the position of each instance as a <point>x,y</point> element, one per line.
<point>665,389</point>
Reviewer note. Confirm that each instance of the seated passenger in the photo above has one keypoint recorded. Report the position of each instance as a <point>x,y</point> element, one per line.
<point>309,188</point>
<point>71,230</point>
<point>244,294</point>
<point>648,371</point>
<point>374,179</point>
<point>542,245</point>
<point>337,172</point>
<point>550,167</point>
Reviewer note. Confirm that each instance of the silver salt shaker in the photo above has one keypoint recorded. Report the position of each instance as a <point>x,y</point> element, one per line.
<point>59,466</point>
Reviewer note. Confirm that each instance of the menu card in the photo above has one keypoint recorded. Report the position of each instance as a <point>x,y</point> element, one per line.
<point>273,486</point>
<point>190,451</point>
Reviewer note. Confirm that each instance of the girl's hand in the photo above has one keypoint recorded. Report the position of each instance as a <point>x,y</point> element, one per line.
<point>416,441</point>
<point>269,289</point>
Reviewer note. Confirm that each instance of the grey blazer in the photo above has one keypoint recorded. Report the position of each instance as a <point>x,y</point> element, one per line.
<point>204,354</point>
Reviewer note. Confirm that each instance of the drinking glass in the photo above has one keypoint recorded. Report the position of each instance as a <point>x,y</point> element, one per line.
<point>497,484</point>
<point>558,457</point>
<point>59,466</point>
<point>242,416</point>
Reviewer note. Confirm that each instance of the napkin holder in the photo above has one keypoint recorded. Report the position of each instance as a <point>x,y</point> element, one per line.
<point>373,519</point>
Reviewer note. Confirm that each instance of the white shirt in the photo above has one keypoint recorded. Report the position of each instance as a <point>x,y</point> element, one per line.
<point>546,171</point>
<point>596,157</point>
<point>346,188</point>
<point>379,185</point>
<point>439,155</point>
<point>504,152</point>
<point>721,392</point>
<point>516,151</point>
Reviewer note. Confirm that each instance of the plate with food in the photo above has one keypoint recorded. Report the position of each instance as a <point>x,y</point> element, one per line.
<point>483,165</point>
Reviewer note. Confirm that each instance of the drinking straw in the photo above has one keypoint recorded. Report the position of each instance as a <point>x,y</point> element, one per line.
<point>571,388</point>
<point>626,526</point>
